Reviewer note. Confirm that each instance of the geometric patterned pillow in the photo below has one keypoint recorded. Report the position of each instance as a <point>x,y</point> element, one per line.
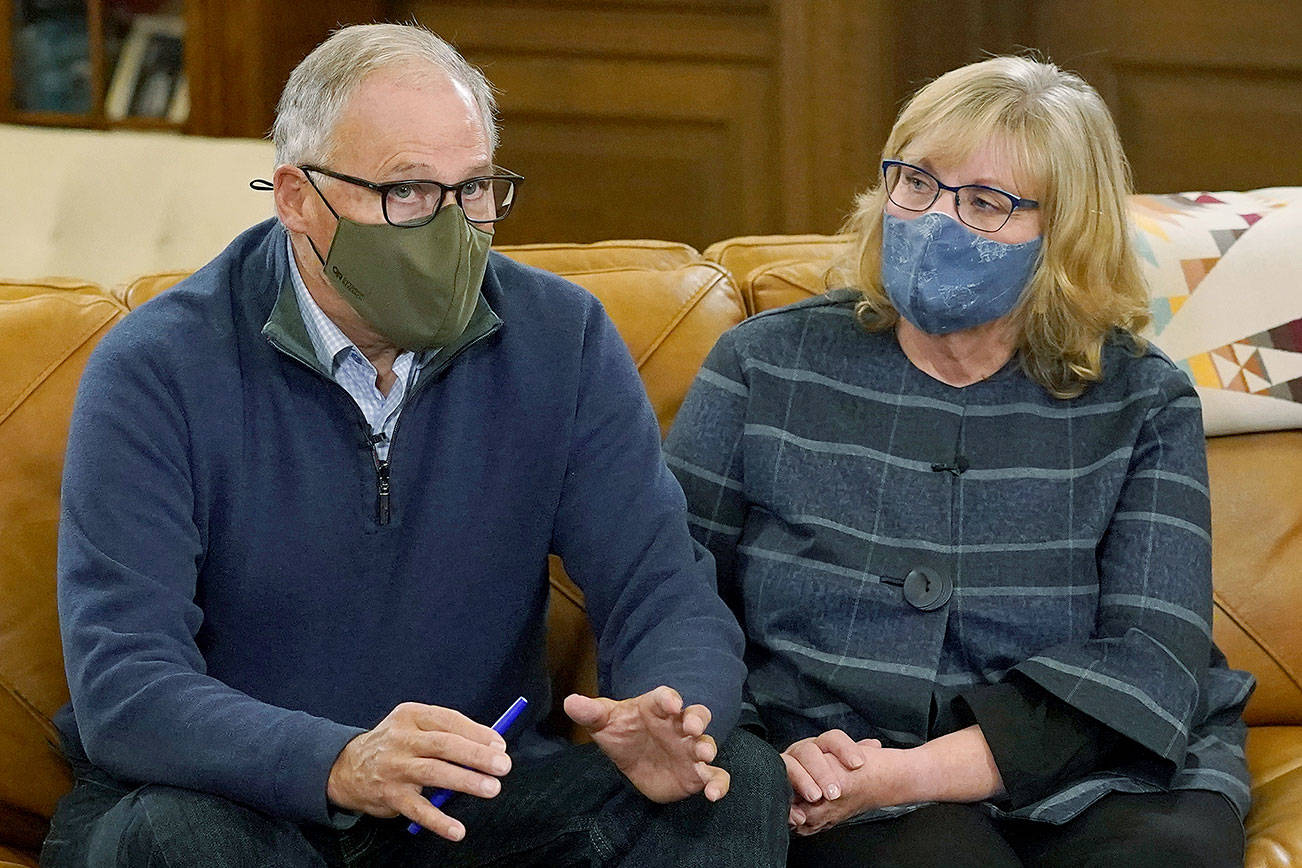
<point>1225,277</point>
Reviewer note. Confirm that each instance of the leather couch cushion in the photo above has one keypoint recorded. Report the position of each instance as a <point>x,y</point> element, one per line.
<point>142,289</point>
<point>783,283</point>
<point>14,288</point>
<point>775,270</point>
<point>567,258</point>
<point>1273,827</point>
<point>744,255</point>
<point>1256,550</point>
<point>14,859</point>
<point>669,319</point>
<point>571,648</point>
<point>38,380</point>
<point>668,305</point>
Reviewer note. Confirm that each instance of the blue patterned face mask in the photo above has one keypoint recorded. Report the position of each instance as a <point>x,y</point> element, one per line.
<point>942,277</point>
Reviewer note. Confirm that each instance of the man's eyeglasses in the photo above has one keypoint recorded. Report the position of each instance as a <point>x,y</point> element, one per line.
<point>983,208</point>
<point>407,204</point>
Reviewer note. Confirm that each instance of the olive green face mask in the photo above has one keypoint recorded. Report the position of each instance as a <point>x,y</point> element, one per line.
<point>416,286</point>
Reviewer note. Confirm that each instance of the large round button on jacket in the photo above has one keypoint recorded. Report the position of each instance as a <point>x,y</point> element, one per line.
<point>927,589</point>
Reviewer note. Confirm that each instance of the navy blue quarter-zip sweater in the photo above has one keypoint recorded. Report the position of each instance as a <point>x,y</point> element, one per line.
<point>243,588</point>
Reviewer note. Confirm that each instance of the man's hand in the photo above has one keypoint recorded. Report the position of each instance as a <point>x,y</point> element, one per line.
<point>382,772</point>
<point>660,746</point>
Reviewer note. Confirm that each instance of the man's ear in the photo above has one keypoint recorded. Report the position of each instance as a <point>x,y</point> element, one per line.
<point>291,190</point>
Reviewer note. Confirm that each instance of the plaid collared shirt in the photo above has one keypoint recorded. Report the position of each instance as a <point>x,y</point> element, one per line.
<point>821,468</point>
<point>352,370</point>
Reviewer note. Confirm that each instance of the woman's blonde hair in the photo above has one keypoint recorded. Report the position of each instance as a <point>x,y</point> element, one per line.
<point>1066,153</point>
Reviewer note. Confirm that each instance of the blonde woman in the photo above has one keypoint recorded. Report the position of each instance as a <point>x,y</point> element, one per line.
<point>961,511</point>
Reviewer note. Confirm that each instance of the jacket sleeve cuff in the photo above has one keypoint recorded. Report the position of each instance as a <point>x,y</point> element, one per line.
<point>1038,741</point>
<point>305,772</point>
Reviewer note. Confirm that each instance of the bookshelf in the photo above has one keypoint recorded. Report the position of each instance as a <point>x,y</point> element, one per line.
<point>206,67</point>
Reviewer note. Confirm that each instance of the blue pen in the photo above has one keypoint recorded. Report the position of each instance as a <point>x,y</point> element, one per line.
<point>503,723</point>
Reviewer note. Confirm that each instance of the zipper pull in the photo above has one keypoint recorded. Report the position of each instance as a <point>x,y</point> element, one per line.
<point>382,488</point>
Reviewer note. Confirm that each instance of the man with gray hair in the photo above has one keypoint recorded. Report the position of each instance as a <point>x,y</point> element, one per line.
<point>285,625</point>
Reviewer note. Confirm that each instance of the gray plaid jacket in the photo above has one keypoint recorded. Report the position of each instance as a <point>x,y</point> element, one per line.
<point>821,468</point>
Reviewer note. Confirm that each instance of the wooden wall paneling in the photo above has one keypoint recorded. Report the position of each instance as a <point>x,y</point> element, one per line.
<point>592,179</point>
<point>239,54</point>
<point>1213,130</point>
<point>6,58</point>
<point>628,120</point>
<point>836,71</point>
<point>1206,95</point>
<point>690,5</point>
<point>659,149</point>
<point>218,64</point>
<point>738,33</point>
<point>98,74</point>
<point>934,36</point>
<point>702,119</point>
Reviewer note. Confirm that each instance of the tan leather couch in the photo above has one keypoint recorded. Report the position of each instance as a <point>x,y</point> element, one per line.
<point>670,303</point>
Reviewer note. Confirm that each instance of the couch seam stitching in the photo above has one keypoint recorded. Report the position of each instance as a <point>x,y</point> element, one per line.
<point>679,315</point>
<point>1238,621</point>
<point>44,374</point>
<point>152,277</point>
<point>568,594</point>
<point>28,706</point>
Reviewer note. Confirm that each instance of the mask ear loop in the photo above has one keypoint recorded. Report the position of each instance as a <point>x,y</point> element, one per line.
<point>333,212</point>
<point>262,185</point>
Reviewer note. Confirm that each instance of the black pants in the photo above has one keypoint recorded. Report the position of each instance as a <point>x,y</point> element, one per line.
<point>1185,828</point>
<point>572,809</point>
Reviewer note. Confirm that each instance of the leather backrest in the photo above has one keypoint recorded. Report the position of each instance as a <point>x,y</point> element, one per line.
<point>140,290</point>
<point>776,270</point>
<point>1257,565</point>
<point>47,331</point>
<point>632,253</point>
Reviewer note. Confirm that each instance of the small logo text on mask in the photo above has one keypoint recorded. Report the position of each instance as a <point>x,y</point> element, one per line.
<point>348,284</point>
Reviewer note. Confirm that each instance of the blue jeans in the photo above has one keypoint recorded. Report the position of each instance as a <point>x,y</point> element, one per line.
<point>574,808</point>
